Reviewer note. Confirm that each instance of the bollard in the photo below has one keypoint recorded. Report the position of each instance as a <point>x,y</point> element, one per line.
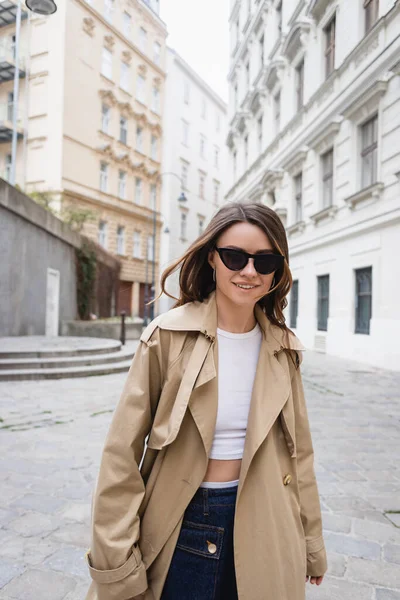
<point>122,337</point>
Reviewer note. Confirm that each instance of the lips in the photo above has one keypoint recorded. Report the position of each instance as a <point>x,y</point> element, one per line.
<point>239,285</point>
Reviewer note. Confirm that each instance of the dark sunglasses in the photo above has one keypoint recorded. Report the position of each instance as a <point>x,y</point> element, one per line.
<point>236,260</point>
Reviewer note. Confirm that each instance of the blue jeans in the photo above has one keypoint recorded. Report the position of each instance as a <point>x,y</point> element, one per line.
<point>202,566</point>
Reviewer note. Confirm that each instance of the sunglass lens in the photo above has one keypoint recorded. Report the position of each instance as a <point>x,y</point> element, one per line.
<point>268,263</point>
<point>233,260</point>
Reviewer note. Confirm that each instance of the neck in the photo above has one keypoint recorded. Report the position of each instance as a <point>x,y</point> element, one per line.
<point>234,318</point>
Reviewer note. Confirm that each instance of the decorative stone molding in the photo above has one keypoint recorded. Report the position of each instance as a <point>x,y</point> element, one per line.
<point>109,42</point>
<point>88,26</point>
<point>272,178</point>
<point>367,101</point>
<point>298,227</point>
<point>317,8</point>
<point>141,118</point>
<point>157,82</point>
<point>294,162</point>
<point>126,109</point>
<point>126,57</point>
<point>108,97</point>
<point>372,192</point>
<point>256,100</point>
<point>296,39</point>
<point>231,139</point>
<point>142,69</point>
<point>274,73</point>
<point>281,211</point>
<point>155,128</point>
<point>326,213</point>
<point>323,139</point>
<point>367,49</point>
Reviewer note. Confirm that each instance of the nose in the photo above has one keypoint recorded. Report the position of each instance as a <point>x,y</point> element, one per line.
<point>249,269</point>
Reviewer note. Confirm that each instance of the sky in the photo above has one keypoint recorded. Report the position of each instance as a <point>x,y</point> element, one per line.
<point>199,32</point>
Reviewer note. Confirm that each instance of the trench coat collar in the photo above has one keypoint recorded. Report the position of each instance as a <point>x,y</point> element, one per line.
<point>202,317</point>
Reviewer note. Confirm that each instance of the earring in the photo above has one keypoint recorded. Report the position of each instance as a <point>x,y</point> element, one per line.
<point>214,275</point>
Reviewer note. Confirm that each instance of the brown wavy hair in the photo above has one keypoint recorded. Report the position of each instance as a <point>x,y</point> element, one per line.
<point>196,275</point>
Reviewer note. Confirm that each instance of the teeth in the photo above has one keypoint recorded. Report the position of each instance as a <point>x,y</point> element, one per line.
<point>245,287</point>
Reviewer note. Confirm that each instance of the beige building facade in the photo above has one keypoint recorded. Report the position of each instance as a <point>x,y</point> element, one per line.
<point>91,99</point>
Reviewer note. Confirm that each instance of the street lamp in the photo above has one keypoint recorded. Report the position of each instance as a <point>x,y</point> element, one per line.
<point>42,7</point>
<point>182,198</point>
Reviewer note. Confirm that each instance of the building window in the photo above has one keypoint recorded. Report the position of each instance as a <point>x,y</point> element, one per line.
<point>137,245</point>
<point>13,47</point>
<point>127,24</point>
<point>216,157</point>
<point>153,196</point>
<point>277,112</point>
<point>102,234</point>
<point>140,83</point>
<point>157,53</point>
<point>298,195</point>
<point>203,108</point>
<point>330,34</point>
<point>247,74</point>
<point>371,9</point>
<point>105,118</point>
<point>122,185</point>
<point>125,77</point>
<point>154,147</point>
<point>202,178</point>
<point>150,248</point>
<point>186,91</point>
<point>294,304</point>
<point>261,51</point>
<point>260,134</point>
<point>139,139</point>
<point>142,39</point>
<point>369,152</point>
<point>327,178</point>
<point>201,225</point>
<point>156,100</point>
<point>8,163</point>
<point>103,176</point>
<point>120,240</point>
<point>184,175</point>
<point>10,106</point>
<point>108,10</point>
<point>246,151</point>
<point>138,190</point>
<point>106,63</point>
<point>183,225</point>
<point>363,300</point>
<point>279,19</point>
<point>185,133</point>
<point>323,302</point>
<point>216,193</point>
<point>300,85</point>
<point>202,145</point>
<point>123,130</point>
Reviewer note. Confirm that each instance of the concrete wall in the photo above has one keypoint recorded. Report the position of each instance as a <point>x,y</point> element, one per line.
<point>31,241</point>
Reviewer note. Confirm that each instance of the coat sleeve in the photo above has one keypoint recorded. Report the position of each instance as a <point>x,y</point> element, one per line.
<point>115,561</point>
<point>310,509</point>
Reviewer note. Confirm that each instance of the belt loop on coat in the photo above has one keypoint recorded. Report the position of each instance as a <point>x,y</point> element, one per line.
<point>205,502</point>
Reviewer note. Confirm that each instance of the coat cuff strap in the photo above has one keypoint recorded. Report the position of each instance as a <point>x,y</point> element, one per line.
<point>113,575</point>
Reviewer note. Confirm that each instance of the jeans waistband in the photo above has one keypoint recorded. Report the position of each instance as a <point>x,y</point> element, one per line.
<point>215,495</point>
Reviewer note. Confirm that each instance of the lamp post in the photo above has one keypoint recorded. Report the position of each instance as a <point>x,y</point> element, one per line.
<point>41,7</point>
<point>182,198</point>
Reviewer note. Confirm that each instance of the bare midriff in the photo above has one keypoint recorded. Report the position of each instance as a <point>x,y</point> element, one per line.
<point>223,470</point>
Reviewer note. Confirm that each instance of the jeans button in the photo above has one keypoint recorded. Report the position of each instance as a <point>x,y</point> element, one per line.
<point>212,548</point>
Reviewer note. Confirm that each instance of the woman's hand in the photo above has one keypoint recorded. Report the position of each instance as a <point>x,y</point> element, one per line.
<point>317,580</point>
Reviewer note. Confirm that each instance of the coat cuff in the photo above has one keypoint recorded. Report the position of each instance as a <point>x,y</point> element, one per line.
<point>127,581</point>
<point>317,564</point>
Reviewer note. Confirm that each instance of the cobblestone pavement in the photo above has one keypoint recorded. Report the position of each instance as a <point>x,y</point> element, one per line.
<point>52,432</point>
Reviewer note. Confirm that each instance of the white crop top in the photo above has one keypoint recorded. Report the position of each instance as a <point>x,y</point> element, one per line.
<point>237,363</point>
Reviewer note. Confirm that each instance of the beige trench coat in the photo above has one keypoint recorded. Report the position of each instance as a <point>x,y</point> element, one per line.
<point>171,395</point>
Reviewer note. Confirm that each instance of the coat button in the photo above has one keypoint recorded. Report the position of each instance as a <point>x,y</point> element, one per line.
<point>287,479</point>
<point>212,548</point>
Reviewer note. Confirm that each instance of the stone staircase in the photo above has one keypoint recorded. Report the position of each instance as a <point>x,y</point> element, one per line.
<point>40,357</point>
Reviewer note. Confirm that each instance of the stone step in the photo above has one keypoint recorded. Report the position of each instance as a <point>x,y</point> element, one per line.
<point>36,346</point>
<point>126,353</point>
<point>66,372</point>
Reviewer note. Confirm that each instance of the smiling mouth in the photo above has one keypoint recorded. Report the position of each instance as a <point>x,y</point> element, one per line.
<point>245,287</point>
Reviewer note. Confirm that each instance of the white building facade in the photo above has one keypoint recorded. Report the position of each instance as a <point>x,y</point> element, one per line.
<point>314,132</point>
<point>194,162</point>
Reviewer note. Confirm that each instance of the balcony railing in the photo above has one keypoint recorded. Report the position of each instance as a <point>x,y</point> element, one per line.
<point>7,62</point>
<point>8,13</point>
<point>6,123</point>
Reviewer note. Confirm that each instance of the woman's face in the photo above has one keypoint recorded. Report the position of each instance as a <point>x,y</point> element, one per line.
<point>251,239</point>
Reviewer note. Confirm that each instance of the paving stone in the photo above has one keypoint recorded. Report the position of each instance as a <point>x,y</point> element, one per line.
<point>336,564</point>
<point>70,561</point>
<point>349,546</point>
<point>374,572</point>
<point>32,524</point>
<point>31,551</point>
<point>342,503</point>
<point>39,502</point>
<point>339,589</point>
<point>394,517</point>
<point>77,512</point>
<point>338,523</point>
<point>391,553</point>
<point>77,534</point>
<point>43,585</point>
<point>382,594</point>
<point>379,532</point>
<point>8,571</point>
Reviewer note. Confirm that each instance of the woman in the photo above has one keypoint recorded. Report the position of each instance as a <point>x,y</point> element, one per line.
<point>224,504</point>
